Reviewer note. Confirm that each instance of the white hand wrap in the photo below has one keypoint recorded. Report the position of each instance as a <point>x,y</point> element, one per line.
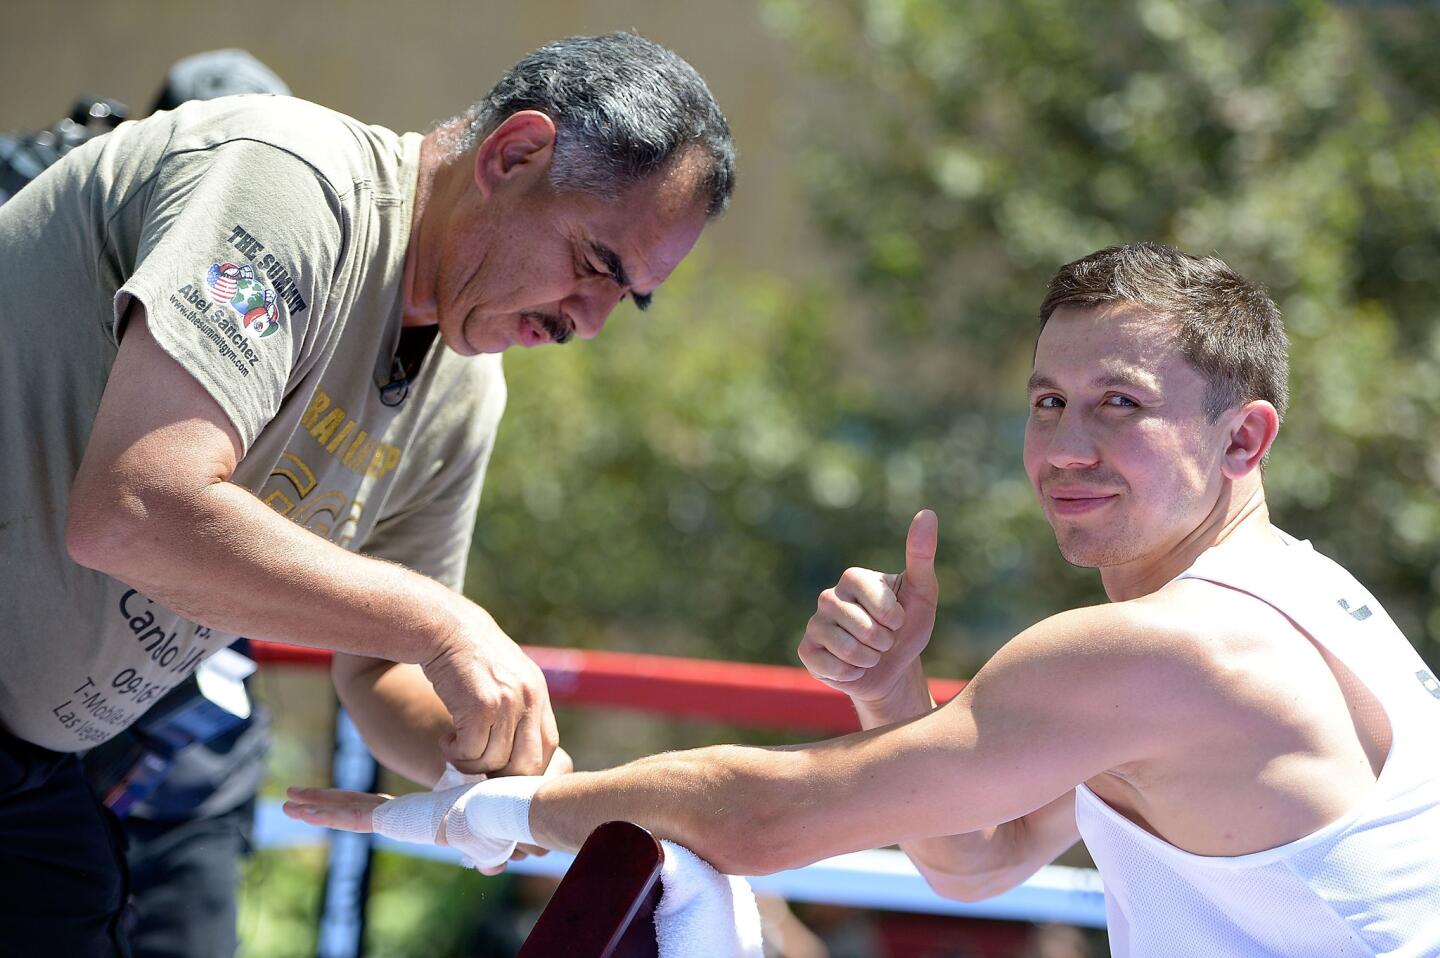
<point>482,819</point>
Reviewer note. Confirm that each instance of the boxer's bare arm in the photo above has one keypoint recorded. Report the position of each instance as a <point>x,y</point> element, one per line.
<point>397,713</point>
<point>151,505</point>
<point>1055,707</point>
<point>983,863</point>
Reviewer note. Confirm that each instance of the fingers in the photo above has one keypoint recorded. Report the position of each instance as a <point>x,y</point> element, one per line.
<point>840,641</point>
<point>560,763</point>
<point>527,753</point>
<point>345,819</point>
<point>533,740</point>
<point>921,541</point>
<point>871,626</point>
<point>504,724</point>
<point>451,752</point>
<point>550,733</point>
<point>465,746</point>
<point>824,665</point>
<point>844,639</point>
<point>857,625</point>
<point>874,593</point>
<point>501,744</point>
<point>335,796</point>
<point>532,750</point>
<point>334,808</point>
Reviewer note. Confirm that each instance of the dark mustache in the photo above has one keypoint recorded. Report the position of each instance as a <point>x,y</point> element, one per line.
<point>559,331</point>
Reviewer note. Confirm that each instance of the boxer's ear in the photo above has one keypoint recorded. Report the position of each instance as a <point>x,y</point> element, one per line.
<point>1249,433</point>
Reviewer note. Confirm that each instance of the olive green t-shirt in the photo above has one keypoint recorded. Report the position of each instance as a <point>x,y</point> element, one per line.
<point>265,237</point>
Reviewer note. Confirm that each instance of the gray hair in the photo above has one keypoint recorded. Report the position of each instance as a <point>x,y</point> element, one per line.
<point>623,107</point>
<point>1229,327</point>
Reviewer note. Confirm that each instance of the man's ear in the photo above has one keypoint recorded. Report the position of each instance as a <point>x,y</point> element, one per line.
<point>522,146</point>
<point>1250,431</point>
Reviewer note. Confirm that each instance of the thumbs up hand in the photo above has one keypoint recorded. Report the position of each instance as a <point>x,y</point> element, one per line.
<point>867,633</point>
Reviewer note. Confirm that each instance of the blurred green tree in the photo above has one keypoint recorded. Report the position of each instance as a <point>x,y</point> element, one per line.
<point>688,483</point>
<point>972,147</point>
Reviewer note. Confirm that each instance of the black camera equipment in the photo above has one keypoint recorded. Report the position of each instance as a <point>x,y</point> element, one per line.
<point>24,156</point>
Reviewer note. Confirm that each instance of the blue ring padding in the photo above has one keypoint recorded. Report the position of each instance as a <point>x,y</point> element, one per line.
<point>882,879</point>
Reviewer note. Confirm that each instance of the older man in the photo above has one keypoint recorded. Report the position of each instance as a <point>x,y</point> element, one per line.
<point>1241,736</point>
<point>221,363</point>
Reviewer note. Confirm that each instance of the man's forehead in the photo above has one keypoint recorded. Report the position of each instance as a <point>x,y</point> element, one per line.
<point>1105,345</point>
<point>1110,373</point>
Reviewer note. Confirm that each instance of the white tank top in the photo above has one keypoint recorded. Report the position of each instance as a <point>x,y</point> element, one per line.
<point>1366,884</point>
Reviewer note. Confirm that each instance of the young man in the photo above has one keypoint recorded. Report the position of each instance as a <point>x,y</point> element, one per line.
<point>1241,736</point>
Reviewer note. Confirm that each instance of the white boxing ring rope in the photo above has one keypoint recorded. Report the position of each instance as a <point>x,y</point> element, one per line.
<point>882,879</point>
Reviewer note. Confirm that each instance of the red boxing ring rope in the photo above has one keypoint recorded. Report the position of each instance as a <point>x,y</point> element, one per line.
<point>734,693</point>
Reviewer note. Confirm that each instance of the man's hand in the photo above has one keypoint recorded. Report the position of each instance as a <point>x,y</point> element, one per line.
<point>443,816</point>
<point>867,634</point>
<point>497,698</point>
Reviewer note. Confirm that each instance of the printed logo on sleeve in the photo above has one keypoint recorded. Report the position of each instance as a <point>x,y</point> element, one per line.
<point>236,287</point>
<point>239,302</point>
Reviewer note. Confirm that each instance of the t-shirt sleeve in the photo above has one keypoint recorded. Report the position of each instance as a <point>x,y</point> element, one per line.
<point>239,243</point>
<point>430,528</point>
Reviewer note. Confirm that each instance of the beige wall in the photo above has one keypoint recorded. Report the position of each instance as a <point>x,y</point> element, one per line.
<point>407,63</point>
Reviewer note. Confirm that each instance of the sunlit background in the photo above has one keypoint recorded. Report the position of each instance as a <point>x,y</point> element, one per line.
<point>850,342</point>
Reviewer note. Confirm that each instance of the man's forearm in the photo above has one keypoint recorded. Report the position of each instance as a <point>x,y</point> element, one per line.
<point>715,801</point>
<point>753,810</point>
<point>312,592</point>
<point>981,863</point>
<point>986,862</point>
<point>315,594</point>
<point>221,557</point>
<point>398,714</point>
<point>944,858</point>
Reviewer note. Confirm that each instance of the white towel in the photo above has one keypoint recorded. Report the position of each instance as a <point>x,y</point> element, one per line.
<point>703,912</point>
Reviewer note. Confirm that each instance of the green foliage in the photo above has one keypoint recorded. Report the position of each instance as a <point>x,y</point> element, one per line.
<point>415,907</point>
<point>279,904</point>
<point>690,481</point>
<point>420,907</point>
<point>970,148</point>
